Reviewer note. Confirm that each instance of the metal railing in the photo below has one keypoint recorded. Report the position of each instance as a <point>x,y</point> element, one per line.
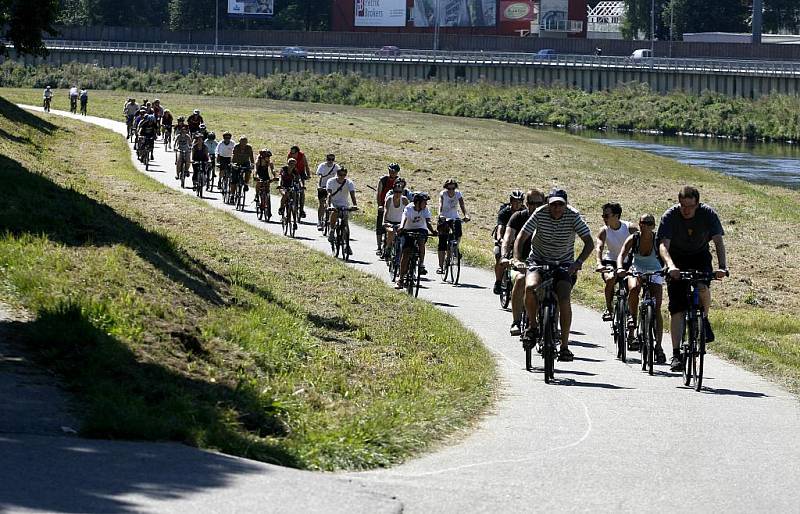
<point>659,64</point>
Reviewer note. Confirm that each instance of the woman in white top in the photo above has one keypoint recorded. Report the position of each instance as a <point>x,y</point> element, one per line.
<point>416,218</point>
<point>609,242</point>
<point>393,209</point>
<point>450,199</point>
<point>325,171</point>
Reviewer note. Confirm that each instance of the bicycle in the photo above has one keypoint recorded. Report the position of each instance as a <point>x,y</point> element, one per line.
<point>506,285</point>
<point>693,338</point>
<point>412,277</point>
<point>619,315</point>
<point>46,104</point>
<point>262,199</point>
<point>199,177</point>
<point>73,105</point>
<point>452,258</point>
<point>646,323</point>
<point>144,148</point>
<point>291,210</point>
<point>547,337</point>
<point>391,254</point>
<point>211,174</point>
<point>182,163</point>
<point>167,136</point>
<point>341,232</point>
<point>129,125</point>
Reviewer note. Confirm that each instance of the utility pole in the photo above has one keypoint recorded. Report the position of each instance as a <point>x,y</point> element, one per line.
<point>757,8</point>
<point>652,27</point>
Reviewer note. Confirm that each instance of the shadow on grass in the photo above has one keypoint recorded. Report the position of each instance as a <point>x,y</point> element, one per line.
<point>122,396</point>
<point>21,116</point>
<point>33,204</point>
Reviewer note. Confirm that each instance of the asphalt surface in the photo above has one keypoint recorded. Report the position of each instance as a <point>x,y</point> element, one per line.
<point>605,437</point>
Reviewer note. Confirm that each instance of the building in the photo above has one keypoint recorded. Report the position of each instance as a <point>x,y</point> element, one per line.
<point>550,18</point>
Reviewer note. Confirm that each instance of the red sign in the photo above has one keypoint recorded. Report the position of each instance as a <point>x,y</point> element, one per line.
<point>516,11</point>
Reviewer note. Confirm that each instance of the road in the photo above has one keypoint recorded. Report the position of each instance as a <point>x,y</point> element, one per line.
<point>605,437</point>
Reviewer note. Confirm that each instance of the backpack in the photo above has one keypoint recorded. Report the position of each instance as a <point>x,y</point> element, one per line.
<point>494,230</point>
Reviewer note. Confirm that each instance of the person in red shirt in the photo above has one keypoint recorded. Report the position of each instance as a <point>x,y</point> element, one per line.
<point>303,171</point>
<point>385,185</point>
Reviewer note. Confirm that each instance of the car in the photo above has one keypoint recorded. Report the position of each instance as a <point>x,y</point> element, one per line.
<point>388,50</point>
<point>293,52</point>
<point>546,52</point>
<point>642,53</point>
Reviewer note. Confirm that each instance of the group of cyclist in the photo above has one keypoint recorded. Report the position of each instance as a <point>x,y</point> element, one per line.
<point>74,95</point>
<point>543,229</point>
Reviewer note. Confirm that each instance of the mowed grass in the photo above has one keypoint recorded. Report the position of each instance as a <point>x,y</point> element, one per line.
<point>489,158</point>
<point>173,321</point>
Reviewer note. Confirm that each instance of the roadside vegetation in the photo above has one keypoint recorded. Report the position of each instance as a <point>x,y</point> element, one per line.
<point>173,321</point>
<point>635,107</point>
<point>755,313</point>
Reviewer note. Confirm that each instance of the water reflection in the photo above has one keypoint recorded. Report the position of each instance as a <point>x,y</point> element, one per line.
<point>766,163</point>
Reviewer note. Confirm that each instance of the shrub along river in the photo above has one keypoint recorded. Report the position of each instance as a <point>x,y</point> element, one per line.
<point>767,163</point>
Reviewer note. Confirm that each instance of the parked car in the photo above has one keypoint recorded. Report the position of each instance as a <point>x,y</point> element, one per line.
<point>388,50</point>
<point>546,52</point>
<point>293,52</point>
<point>642,53</point>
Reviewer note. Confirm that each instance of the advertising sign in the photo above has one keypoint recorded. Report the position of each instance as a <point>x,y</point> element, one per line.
<point>250,7</point>
<point>380,13</point>
<point>516,11</point>
<point>553,14</point>
<point>455,13</point>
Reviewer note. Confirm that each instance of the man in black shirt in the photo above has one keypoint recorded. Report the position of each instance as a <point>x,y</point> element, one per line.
<point>503,216</point>
<point>685,231</point>
<point>533,200</point>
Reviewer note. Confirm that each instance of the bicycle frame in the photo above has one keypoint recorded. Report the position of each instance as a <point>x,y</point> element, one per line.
<point>546,342</point>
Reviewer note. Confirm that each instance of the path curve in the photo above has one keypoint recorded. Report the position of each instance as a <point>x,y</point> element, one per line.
<point>605,437</point>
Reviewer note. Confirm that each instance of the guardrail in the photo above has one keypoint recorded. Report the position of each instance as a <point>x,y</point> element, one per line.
<point>733,67</point>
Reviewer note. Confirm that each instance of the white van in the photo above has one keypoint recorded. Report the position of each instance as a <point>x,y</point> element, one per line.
<point>642,53</point>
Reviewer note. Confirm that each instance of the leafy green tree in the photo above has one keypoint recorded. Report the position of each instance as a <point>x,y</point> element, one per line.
<point>781,16</point>
<point>689,16</point>
<point>149,13</point>
<point>24,21</point>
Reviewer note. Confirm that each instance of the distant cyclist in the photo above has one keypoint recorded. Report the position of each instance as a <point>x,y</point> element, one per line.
<point>289,177</point>
<point>684,233</point>
<point>450,200</point>
<point>194,121</point>
<point>503,216</point>
<point>84,97</point>
<point>73,99</point>
<point>416,218</point>
<point>183,145</point>
<point>166,125</point>
<point>341,193</point>
<point>608,243</point>
<point>47,98</point>
<point>393,209</point>
<point>325,171</point>
<point>302,168</point>
<point>224,156</point>
<point>146,130</point>
<point>385,185</point>
<point>243,156</point>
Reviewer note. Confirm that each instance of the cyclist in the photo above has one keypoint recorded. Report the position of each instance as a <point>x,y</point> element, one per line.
<point>552,231</point>
<point>130,110</point>
<point>224,155</point>
<point>199,158</point>
<point>450,199</point>
<point>325,171</point>
<point>608,243</point>
<point>181,122</point>
<point>158,111</point>
<point>182,145</point>
<point>503,216</point>
<point>73,99</point>
<point>305,174</point>
<point>385,184</point>
<point>642,247</point>
<point>84,96</point>
<point>47,97</point>
<point>211,145</point>
<point>341,192</point>
<point>146,130</point>
<point>416,218</point>
<point>289,177</point>
<point>166,124</point>
<point>393,209</point>
<point>194,121</point>
<point>684,233</point>
<point>533,200</point>
<point>265,171</point>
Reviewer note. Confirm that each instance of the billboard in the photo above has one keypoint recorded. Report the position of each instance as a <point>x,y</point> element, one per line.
<point>380,13</point>
<point>516,11</point>
<point>553,14</point>
<point>455,13</point>
<point>250,7</point>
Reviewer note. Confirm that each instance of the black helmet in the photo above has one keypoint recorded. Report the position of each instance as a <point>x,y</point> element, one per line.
<point>211,136</point>
<point>450,182</point>
<point>420,196</point>
<point>516,195</point>
<point>394,167</point>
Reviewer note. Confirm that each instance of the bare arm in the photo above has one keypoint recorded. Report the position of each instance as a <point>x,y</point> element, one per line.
<point>626,248</point>
<point>663,250</point>
<point>519,242</point>
<point>463,208</point>
<point>508,241</point>
<point>722,260</point>
<point>588,246</point>
<point>353,198</point>
<point>601,244</point>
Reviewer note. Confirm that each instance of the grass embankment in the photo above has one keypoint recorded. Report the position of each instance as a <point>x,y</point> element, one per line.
<point>756,311</point>
<point>173,321</point>
<point>635,107</point>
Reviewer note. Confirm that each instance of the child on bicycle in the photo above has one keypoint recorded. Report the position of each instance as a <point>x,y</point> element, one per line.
<point>289,176</point>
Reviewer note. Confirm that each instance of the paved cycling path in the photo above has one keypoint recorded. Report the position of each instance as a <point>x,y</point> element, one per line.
<point>606,437</point>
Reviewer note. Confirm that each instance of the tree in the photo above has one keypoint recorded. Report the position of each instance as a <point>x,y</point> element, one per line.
<point>689,16</point>
<point>24,21</point>
<point>781,16</point>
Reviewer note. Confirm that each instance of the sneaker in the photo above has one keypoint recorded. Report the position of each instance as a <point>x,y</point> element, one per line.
<point>302,214</point>
<point>280,211</point>
<point>422,271</point>
<point>676,364</point>
<point>607,316</point>
<point>708,331</point>
<point>515,331</point>
<point>660,357</point>
<point>497,288</point>
<point>530,335</point>
<point>379,252</point>
<point>400,285</point>
<point>348,251</point>
<point>330,238</point>
<point>319,227</point>
<point>565,355</point>
<point>633,343</point>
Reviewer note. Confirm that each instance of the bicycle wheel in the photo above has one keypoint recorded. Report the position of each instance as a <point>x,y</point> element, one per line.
<point>346,243</point>
<point>411,274</point>
<point>183,175</point>
<point>446,266</point>
<point>688,349</point>
<point>455,265</point>
<point>146,159</point>
<point>646,341</point>
<point>292,222</point>
<point>505,289</point>
<point>700,358</point>
<point>548,343</point>
<point>620,319</point>
<point>285,222</point>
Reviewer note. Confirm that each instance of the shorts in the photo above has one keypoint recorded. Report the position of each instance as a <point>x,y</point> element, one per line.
<point>379,223</point>
<point>322,194</point>
<point>679,289</point>
<point>409,242</point>
<point>561,274</point>
<point>224,162</point>
<point>443,233</point>
<point>497,250</point>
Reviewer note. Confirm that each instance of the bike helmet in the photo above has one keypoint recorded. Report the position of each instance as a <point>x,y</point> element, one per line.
<point>202,125</point>
<point>399,185</point>
<point>450,182</point>
<point>516,195</point>
<point>196,111</point>
<point>265,151</point>
<point>156,101</point>
<point>394,167</point>
<point>420,196</point>
<point>211,136</point>
<point>224,134</point>
<point>243,139</point>
<point>166,111</point>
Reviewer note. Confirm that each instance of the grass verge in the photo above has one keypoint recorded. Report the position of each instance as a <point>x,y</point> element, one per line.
<point>172,321</point>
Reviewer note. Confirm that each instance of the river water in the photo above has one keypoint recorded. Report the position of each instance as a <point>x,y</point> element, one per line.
<point>767,163</point>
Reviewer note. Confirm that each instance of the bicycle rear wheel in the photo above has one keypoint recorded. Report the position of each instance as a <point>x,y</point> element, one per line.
<point>650,338</point>
<point>455,265</point>
<point>548,344</point>
<point>411,275</point>
<point>701,353</point>
<point>505,289</point>
<point>620,319</point>
<point>688,350</point>
<point>292,224</point>
<point>446,266</point>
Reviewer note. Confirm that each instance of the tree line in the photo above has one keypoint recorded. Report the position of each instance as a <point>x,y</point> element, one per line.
<point>673,18</point>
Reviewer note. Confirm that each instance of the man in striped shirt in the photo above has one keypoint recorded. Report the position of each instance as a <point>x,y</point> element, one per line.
<point>552,229</point>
